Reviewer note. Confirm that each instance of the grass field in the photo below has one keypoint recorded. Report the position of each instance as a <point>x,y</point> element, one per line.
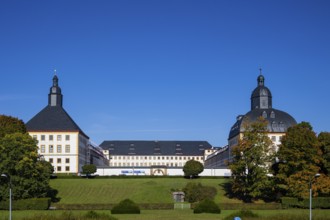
<point>147,190</point>
<point>290,214</point>
<point>140,190</point>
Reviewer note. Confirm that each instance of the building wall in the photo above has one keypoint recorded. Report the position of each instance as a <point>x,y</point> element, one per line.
<point>148,171</point>
<point>151,160</point>
<point>64,150</point>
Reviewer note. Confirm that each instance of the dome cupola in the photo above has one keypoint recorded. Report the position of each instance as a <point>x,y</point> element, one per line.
<point>261,97</point>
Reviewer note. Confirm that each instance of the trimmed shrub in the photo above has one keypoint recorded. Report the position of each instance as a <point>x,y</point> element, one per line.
<point>126,206</point>
<point>242,214</point>
<point>27,204</point>
<point>207,206</point>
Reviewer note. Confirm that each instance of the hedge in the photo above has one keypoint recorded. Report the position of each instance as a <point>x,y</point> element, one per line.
<point>27,204</point>
<point>318,202</point>
<point>146,206</point>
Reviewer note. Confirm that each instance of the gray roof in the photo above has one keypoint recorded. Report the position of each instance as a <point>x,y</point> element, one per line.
<point>187,148</point>
<point>53,118</point>
<point>278,121</point>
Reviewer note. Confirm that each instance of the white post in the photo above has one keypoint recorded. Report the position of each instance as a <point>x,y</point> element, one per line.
<point>310,200</point>
<point>10,201</point>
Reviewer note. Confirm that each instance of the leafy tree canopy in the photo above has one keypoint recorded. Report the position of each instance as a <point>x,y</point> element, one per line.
<point>9,125</point>
<point>19,160</point>
<point>192,168</point>
<point>324,139</point>
<point>302,158</point>
<point>251,161</point>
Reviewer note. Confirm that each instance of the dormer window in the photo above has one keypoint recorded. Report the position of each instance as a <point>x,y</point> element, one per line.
<point>272,114</point>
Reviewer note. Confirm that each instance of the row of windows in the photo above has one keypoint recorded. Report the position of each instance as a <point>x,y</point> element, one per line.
<point>59,160</point>
<point>155,158</point>
<point>147,164</point>
<point>51,149</point>
<point>273,138</point>
<point>66,168</point>
<point>51,137</point>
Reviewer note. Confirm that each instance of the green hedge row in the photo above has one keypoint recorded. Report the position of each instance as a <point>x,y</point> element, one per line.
<point>318,202</point>
<point>250,206</point>
<point>145,206</point>
<point>27,204</point>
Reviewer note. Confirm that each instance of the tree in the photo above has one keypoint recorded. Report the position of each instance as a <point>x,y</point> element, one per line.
<point>9,125</point>
<point>20,160</point>
<point>300,150</point>
<point>324,139</point>
<point>89,169</point>
<point>192,168</point>
<point>252,159</point>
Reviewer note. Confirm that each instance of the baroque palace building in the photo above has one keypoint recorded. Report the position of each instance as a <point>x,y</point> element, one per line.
<point>261,106</point>
<point>60,140</point>
<point>155,153</point>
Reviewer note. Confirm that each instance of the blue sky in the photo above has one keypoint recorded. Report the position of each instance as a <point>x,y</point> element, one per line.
<point>165,70</point>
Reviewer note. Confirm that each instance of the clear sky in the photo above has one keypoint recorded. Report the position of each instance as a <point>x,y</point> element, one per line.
<point>165,69</point>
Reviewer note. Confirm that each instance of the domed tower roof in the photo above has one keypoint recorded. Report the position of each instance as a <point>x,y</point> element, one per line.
<point>261,106</point>
<point>261,97</point>
<point>278,121</point>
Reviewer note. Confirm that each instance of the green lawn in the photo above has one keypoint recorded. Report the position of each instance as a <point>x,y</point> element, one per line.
<point>289,214</point>
<point>140,190</point>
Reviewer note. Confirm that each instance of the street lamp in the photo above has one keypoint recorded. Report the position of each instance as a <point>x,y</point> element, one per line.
<point>8,177</point>
<point>310,194</point>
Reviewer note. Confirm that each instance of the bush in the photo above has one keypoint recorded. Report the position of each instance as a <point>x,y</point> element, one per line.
<point>207,206</point>
<point>27,204</point>
<point>126,207</point>
<point>242,214</point>
<point>196,192</point>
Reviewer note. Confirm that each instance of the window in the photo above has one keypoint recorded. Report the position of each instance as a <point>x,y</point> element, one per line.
<point>59,160</point>
<point>59,149</point>
<point>273,138</point>
<point>34,137</point>
<point>51,137</point>
<point>42,149</point>
<point>67,148</point>
<point>272,114</point>
<point>59,168</point>
<point>42,137</point>
<point>59,137</point>
<point>67,160</point>
<point>67,137</point>
<point>51,160</point>
<point>51,149</point>
<point>67,168</point>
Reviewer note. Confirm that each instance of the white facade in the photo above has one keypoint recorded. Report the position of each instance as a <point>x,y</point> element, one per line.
<point>151,160</point>
<point>66,151</point>
<point>148,171</point>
